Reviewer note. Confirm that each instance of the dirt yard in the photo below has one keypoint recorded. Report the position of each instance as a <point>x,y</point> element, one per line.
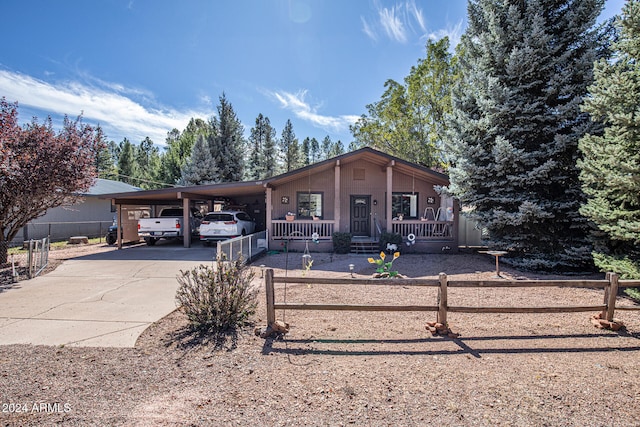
<point>348,368</point>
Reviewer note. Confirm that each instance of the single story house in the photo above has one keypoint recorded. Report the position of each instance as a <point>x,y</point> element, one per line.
<point>365,192</point>
<point>90,217</point>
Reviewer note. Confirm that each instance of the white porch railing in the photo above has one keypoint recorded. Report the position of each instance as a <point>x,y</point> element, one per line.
<point>302,229</point>
<point>424,230</point>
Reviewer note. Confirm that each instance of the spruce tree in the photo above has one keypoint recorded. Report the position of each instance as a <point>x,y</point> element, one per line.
<point>227,143</point>
<point>610,167</point>
<point>516,122</point>
<point>200,168</point>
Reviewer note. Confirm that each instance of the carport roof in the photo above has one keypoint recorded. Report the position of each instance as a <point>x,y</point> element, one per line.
<point>198,192</point>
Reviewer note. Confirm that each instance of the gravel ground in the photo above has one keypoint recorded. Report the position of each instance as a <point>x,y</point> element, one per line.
<point>347,368</point>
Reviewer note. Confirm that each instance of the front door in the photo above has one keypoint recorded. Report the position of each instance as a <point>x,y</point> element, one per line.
<point>361,215</point>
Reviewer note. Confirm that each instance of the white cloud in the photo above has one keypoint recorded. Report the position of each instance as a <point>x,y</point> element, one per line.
<point>404,20</point>
<point>396,22</point>
<point>392,24</point>
<point>117,114</point>
<point>453,32</point>
<point>295,102</point>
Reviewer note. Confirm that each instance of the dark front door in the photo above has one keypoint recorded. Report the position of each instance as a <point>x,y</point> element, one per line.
<point>361,215</point>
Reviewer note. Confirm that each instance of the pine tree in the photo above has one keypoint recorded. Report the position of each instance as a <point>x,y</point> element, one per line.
<point>314,150</point>
<point>325,150</point>
<point>270,157</point>
<point>127,165</point>
<point>336,149</point>
<point>262,159</point>
<point>610,168</point>
<point>227,142</point>
<point>290,148</point>
<point>148,164</point>
<point>200,168</point>
<point>306,152</point>
<point>515,126</point>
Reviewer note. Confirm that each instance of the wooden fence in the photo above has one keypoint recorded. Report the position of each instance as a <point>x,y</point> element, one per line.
<point>610,285</point>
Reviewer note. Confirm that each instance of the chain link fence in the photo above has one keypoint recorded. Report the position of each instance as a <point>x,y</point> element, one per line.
<point>25,261</point>
<point>61,231</point>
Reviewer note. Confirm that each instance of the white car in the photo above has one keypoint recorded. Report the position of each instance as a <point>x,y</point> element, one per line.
<point>225,225</point>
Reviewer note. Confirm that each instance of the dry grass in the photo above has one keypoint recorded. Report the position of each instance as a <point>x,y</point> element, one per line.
<point>347,368</point>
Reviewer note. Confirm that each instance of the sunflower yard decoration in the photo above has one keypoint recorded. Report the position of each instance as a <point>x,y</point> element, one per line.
<point>383,269</point>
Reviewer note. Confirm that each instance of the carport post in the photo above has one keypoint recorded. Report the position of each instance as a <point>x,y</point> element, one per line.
<point>119,225</point>
<point>186,223</point>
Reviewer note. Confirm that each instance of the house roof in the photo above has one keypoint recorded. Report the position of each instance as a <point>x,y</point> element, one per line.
<point>250,188</point>
<point>107,186</point>
<point>367,154</point>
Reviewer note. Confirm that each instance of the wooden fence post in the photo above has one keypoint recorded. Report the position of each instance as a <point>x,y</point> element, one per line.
<point>613,293</point>
<point>442,299</point>
<point>271,311</point>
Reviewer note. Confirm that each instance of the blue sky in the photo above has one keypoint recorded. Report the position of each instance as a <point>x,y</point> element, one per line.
<point>143,67</point>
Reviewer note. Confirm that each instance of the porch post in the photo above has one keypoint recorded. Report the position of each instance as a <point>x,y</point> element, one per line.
<point>389,206</point>
<point>186,225</point>
<point>269,212</point>
<point>337,197</point>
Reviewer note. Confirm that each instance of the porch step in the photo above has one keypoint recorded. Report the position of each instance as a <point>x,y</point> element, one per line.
<point>364,247</point>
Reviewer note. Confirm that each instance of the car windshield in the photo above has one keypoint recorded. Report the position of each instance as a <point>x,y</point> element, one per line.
<point>219,217</point>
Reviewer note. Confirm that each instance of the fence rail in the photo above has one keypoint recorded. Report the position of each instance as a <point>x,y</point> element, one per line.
<point>424,230</point>
<point>302,229</point>
<point>610,285</point>
<point>245,247</point>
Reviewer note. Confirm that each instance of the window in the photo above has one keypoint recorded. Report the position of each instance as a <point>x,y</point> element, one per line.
<point>405,205</point>
<point>309,205</point>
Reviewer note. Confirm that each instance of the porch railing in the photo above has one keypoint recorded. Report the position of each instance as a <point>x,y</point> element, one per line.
<point>302,229</point>
<point>424,230</point>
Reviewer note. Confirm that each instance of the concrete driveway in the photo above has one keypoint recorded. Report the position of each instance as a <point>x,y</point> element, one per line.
<point>100,300</point>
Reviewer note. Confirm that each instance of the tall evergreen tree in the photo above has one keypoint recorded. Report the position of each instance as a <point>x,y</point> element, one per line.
<point>270,157</point>
<point>314,150</point>
<point>516,122</point>
<point>200,168</point>
<point>105,161</point>
<point>325,149</point>
<point>262,159</point>
<point>306,152</point>
<point>179,146</point>
<point>610,168</point>
<point>290,148</point>
<point>227,142</point>
<point>127,165</point>
<point>336,149</point>
<point>148,164</point>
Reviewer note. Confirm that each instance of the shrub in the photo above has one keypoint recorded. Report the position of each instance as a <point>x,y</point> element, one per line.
<point>392,238</point>
<point>341,242</point>
<point>217,299</point>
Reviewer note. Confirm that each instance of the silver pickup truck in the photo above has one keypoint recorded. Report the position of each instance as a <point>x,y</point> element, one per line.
<point>168,225</point>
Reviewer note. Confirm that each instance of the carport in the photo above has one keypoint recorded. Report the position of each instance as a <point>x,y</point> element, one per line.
<point>250,195</point>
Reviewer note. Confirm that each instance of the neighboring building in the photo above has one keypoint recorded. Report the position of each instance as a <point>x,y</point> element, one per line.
<point>90,217</point>
<point>364,192</point>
